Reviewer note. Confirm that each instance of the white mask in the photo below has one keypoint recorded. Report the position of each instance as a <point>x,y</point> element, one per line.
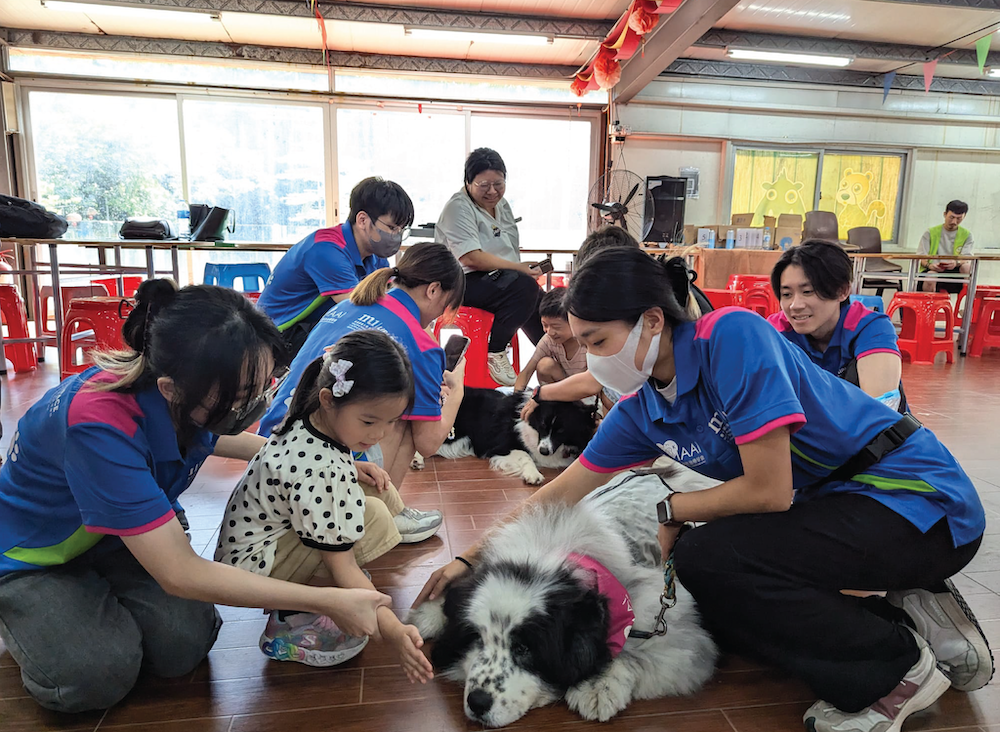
<point>618,372</point>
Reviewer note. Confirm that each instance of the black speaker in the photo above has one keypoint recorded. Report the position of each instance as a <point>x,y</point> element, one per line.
<point>668,194</point>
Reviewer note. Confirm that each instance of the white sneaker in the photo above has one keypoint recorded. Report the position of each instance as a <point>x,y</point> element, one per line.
<point>500,369</point>
<point>945,621</point>
<point>920,688</point>
<point>414,526</point>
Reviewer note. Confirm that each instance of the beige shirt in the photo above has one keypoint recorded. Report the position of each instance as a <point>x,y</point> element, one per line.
<point>465,227</point>
<point>575,365</point>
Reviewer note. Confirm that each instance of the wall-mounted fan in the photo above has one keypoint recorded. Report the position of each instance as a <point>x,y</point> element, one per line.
<point>619,198</point>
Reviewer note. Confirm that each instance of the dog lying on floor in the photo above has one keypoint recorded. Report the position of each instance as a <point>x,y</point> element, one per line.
<point>489,425</point>
<point>542,617</point>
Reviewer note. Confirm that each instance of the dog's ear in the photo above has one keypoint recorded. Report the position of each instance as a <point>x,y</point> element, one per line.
<point>458,634</point>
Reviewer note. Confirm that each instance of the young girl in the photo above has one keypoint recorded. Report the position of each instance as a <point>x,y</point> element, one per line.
<point>299,507</point>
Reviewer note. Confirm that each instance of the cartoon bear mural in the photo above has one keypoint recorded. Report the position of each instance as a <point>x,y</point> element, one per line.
<point>781,196</point>
<point>854,188</point>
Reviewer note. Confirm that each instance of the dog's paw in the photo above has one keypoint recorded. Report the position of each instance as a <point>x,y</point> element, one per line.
<point>599,698</point>
<point>532,477</point>
<point>417,463</point>
<point>429,618</point>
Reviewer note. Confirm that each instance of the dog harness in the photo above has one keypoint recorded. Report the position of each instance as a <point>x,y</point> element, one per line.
<point>622,617</point>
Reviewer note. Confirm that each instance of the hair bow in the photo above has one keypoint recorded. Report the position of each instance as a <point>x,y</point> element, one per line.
<point>339,369</point>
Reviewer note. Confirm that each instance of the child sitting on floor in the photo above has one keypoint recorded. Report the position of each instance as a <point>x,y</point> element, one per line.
<point>299,507</point>
<point>558,354</point>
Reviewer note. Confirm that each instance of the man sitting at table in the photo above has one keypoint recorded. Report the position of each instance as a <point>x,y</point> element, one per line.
<point>947,238</point>
<point>322,269</point>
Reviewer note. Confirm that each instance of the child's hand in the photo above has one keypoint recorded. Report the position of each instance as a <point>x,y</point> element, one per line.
<point>374,475</point>
<point>408,643</point>
<point>529,406</point>
<point>354,611</point>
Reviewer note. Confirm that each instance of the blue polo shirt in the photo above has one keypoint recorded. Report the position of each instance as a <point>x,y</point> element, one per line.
<point>396,315</point>
<point>84,464</point>
<point>325,263</point>
<point>860,332</point>
<point>738,379</point>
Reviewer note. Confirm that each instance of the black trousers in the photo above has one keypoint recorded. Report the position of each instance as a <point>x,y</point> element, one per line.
<point>768,585</point>
<point>512,297</point>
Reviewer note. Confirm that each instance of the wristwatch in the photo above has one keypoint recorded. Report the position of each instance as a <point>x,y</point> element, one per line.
<point>665,513</point>
<point>536,395</point>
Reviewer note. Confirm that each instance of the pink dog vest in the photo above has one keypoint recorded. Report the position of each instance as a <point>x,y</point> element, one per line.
<point>619,603</point>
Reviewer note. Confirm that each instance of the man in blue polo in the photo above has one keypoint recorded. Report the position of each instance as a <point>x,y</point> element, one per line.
<point>946,239</point>
<point>322,269</point>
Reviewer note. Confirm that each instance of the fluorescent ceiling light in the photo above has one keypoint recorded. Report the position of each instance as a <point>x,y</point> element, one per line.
<point>994,73</point>
<point>442,34</point>
<point>138,12</point>
<point>807,59</point>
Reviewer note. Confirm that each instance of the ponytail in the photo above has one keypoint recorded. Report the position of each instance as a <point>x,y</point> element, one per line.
<point>421,264</point>
<point>305,401</point>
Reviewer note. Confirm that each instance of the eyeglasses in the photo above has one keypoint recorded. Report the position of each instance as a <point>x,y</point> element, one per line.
<point>402,231</point>
<point>484,185</point>
<point>265,396</point>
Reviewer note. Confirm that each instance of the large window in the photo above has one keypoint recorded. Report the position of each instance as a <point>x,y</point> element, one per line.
<point>862,189</point>
<point>773,182</point>
<point>266,162</point>
<point>100,158</point>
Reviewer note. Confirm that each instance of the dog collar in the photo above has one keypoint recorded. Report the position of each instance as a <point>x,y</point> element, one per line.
<point>622,617</point>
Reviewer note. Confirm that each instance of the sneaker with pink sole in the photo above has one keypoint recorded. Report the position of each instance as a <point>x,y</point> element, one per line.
<point>308,638</point>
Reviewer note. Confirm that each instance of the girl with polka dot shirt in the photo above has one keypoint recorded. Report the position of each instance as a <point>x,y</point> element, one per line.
<point>299,508</point>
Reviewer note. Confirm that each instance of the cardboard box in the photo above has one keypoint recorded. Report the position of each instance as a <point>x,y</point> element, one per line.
<point>707,237</point>
<point>747,238</point>
<point>788,232</point>
<point>690,234</point>
<point>742,220</point>
<point>789,220</point>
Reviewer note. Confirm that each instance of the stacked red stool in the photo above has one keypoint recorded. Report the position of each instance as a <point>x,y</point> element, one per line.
<point>919,313</point>
<point>131,284</point>
<point>981,292</point>
<point>986,333</point>
<point>22,355</point>
<point>475,325</point>
<point>91,323</point>
<point>724,298</point>
<point>757,293</point>
<point>68,293</point>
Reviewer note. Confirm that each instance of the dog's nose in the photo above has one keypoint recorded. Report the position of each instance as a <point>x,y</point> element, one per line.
<point>544,450</point>
<point>479,702</point>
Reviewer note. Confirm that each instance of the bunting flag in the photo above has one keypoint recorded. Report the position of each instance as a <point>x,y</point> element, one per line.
<point>887,84</point>
<point>929,68</point>
<point>983,50</point>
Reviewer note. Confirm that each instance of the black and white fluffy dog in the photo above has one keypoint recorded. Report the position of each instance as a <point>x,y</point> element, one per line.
<point>489,425</point>
<point>529,626</point>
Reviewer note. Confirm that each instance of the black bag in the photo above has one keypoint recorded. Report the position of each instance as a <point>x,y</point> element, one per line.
<point>683,278</point>
<point>28,219</point>
<point>145,227</point>
<point>211,223</point>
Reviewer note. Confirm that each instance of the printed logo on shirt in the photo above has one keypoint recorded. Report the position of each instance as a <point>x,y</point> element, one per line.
<point>690,456</point>
<point>368,322</point>
<point>719,424</point>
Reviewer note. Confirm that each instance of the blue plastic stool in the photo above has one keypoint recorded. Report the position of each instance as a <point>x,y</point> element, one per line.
<point>253,274</point>
<point>872,302</point>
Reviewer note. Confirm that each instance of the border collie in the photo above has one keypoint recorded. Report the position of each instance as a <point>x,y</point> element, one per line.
<point>534,621</point>
<point>489,425</point>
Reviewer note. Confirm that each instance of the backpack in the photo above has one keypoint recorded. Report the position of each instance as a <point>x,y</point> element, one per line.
<point>27,219</point>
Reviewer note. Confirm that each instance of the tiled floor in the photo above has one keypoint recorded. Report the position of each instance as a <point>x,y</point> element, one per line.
<point>238,690</point>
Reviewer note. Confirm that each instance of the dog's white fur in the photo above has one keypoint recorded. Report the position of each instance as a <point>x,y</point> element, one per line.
<point>675,664</point>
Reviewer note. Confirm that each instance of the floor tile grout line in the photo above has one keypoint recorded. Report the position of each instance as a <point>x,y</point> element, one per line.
<point>101,720</point>
<point>361,687</point>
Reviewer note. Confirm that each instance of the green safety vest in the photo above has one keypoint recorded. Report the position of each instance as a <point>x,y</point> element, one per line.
<point>960,238</point>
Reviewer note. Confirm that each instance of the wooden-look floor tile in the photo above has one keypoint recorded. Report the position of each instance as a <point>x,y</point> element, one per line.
<point>214,724</point>
<point>24,715</point>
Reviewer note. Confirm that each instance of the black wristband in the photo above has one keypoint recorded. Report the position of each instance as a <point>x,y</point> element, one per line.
<point>465,561</point>
<point>536,395</point>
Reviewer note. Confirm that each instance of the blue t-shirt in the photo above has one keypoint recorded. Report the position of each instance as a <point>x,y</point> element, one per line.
<point>397,316</point>
<point>860,332</point>
<point>738,379</point>
<point>84,464</point>
<point>325,263</point>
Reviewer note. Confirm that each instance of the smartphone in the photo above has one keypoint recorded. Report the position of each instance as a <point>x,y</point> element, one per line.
<point>545,266</point>
<point>454,350</point>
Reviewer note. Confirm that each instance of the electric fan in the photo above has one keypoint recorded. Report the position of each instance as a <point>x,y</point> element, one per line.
<point>619,198</point>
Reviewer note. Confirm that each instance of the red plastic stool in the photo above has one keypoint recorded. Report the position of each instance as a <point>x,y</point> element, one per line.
<point>68,293</point>
<point>744,281</point>
<point>986,333</point>
<point>92,322</point>
<point>558,280</point>
<point>131,283</point>
<point>981,292</point>
<point>724,298</point>
<point>252,296</point>
<point>919,312</point>
<point>22,355</point>
<point>475,325</point>
<point>759,297</point>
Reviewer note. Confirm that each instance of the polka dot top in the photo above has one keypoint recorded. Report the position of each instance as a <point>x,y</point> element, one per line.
<point>300,481</point>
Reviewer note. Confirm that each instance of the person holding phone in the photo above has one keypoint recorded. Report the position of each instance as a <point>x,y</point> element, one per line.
<point>479,228</point>
<point>400,301</point>
<point>946,238</point>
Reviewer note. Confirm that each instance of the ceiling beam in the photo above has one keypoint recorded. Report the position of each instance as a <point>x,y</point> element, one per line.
<point>672,37</point>
<point>732,71</point>
<point>722,38</point>
<point>576,28</point>
<point>99,43</point>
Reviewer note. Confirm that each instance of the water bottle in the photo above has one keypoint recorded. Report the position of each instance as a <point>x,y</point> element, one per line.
<point>730,239</point>
<point>767,237</point>
<point>183,220</point>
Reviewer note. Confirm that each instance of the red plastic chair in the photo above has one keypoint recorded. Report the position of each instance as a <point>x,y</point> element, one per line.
<point>724,298</point>
<point>745,281</point>
<point>22,355</point>
<point>986,333</point>
<point>252,296</point>
<point>68,293</point>
<point>981,292</point>
<point>131,283</point>
<point>919,313</point>
<point>92,323</point>
<point>475,325</point>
